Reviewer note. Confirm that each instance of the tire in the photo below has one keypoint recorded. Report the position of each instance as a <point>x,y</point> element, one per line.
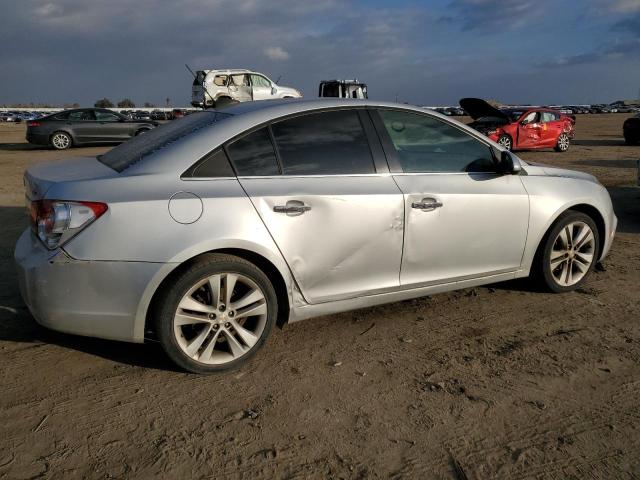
<point>562,145</point>
<point>60,140</point>
<point>571,266</point>
<point>505,141</point>
<point>211,335</point>
<point>224,102</point>
<point>630,140</point>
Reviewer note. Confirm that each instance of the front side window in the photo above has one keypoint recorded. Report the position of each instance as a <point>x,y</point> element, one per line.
<point>425,144</point>
<point>549,117</point>
<point>327,143</point>
<point>533,117</point>
<point>253,154</point>
<point>260,81</point>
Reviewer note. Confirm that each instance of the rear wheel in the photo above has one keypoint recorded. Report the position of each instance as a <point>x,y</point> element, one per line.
<point>223,102</point>
<point>569,252</point>
<point>60,140</point>
<point>563,143</point>
<point>216,314</point>
<point>505,141</point>
<point>629,140</point>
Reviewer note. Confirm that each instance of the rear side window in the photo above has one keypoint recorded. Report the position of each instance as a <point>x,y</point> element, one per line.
<point>214,165</point>
<point>327,143</point>
<point>253,154</point>
<point>425,144</point>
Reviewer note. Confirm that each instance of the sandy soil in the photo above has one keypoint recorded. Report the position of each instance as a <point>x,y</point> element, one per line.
<point>495,382</point>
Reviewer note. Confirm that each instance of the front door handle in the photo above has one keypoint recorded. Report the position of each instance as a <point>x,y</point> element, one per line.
<point>292,208</point>
<point>427,204</point>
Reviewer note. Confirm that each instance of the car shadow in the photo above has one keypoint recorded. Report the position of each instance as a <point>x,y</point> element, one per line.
<point>21,147</point>
<point>600,143</point>
<point>624,163</point>
<point>18,325</point>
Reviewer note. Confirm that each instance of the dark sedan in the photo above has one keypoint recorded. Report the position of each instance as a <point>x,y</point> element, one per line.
<point>631,130</point>
<point>84,126</point>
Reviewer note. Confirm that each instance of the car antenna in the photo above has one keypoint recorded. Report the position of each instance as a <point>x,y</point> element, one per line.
<point>278,80</point>
<point>203,86</point>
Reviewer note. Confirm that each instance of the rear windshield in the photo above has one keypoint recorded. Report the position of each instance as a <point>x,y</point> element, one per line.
<point>134,150</point>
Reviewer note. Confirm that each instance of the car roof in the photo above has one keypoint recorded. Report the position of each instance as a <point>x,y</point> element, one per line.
<point>229,71</point>
<point>242,117</point>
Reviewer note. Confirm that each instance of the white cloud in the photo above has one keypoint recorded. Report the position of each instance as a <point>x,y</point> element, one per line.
<point>276,53</point>
<point>627,5</point>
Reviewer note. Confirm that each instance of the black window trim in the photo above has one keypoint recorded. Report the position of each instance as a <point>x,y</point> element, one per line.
<point>188,174</point>
<point>395,167</point>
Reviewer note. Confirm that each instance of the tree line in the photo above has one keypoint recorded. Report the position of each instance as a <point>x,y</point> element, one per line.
<point>124,103</point>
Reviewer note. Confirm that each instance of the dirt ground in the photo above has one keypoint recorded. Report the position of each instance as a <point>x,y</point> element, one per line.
<point>495,382</point>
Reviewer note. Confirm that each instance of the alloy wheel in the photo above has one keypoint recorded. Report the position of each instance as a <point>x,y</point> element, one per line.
<point>505,142</point>
<point>220,319</point>
<point>563,142</point>
<point>572,253</point>
<point>61,141</point>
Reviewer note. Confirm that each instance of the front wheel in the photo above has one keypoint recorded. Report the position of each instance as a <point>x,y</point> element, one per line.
<point>60,140</point>
<point>216,314</point>
<point>563,143</point>
<point>505,141</point>
<point>569,252</point>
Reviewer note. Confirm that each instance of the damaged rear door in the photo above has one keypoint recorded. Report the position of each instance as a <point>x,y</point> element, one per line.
<point>324,195</point>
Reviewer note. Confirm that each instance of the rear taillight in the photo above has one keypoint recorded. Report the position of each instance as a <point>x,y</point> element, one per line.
<point>56,221</point>
<point>33,124</point>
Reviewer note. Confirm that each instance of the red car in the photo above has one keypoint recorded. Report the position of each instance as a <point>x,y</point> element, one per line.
<point>521,128</point>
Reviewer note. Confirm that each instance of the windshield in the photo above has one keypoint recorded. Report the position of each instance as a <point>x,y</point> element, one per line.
<point>134,150</point>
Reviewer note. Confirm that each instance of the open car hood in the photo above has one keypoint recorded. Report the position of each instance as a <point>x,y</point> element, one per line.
<point>478,108</point>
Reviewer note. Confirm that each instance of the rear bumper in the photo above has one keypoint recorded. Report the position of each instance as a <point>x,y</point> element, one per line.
<point>91,298</point>
<point>37,138</point>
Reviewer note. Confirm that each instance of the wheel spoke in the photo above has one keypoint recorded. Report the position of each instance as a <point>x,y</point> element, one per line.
<point>182,319</point>
<point>247,337</point>
<point>195,344</point>
<point>250,298</point>
<point>583,259</point>
<point>237,350</point>
<point>257,309</point>
<point>568,272</point>
<point>190,303</point>
<point>208,351</point>
<point>214,285</point>
<point>230,283</point>
<point>568,235</point>
<point>585,239</point>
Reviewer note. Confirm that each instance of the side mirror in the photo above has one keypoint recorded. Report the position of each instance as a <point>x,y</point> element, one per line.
<point>509,164</point>
<point>273,90</point>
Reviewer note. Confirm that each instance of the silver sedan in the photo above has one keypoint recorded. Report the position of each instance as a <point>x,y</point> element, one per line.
<point>206,232</point>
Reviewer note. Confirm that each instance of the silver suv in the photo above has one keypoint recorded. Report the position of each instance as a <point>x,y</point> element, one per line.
<point>218,88</point>
<point>205,232</point>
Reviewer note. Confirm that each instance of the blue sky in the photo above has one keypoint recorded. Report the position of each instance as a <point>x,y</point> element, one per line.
<point>429,52</point>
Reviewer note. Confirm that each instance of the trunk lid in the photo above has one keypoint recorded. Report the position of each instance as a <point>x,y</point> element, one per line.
<point>38,179</point>
<point>478,108</point>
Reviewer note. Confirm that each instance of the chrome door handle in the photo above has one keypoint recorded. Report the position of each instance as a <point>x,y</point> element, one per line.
<point>427,204</point>
<point>292,207</point>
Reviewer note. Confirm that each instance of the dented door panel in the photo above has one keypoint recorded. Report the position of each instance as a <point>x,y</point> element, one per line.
<point>340,235</point>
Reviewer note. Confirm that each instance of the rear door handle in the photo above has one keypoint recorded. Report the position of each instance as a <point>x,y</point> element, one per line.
<point>292,208</point>
<point>427,204</point>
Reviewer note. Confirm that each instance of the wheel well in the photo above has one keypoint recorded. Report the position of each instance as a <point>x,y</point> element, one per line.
<point>142,129</point>
<point>62,131</point>
<point>588,210</point>
<point>258,260</point>
<point>597,217</point>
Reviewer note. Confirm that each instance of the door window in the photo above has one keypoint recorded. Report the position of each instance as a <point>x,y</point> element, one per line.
<point>220,80</point>
<point>240,80</point>
<point>533,117</point>
<point>549,117</point>
<point>253,154</point>
<point>260,81</point>
<point>106,116</point>
<point>81,115</point>
<point>327,143</point>
<point>425,144</point>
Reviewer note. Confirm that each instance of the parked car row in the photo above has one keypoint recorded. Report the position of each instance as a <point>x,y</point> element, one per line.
<point>18,117</point>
